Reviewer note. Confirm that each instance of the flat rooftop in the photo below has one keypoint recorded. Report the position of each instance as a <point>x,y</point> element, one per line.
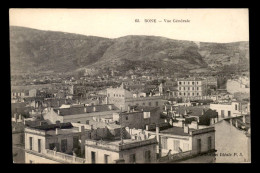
<point>176,131</point>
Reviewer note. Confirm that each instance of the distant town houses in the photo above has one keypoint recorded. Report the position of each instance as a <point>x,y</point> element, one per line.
<point>131,118</point>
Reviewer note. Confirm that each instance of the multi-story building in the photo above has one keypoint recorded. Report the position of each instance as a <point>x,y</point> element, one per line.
<point>123,98</point>
<point>138,117</point>
<point>188,139</point>
<point>230,109</point>
<point>191,87</point>
<point>79,113</point>
<point>54,143</point>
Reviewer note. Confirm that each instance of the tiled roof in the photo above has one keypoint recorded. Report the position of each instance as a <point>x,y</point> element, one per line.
<point>54,126</point>
<point>80,110</point>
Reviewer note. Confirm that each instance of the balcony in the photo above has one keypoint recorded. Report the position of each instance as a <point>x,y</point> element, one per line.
<point>57,156</point>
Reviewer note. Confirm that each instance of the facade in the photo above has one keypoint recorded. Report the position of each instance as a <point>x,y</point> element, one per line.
<point>79,113</point>
<point>191,87</point>
<point>233,141</point>
<point>138,117</point>
<point>230,109</point>
<point>123,98</point>
<point>130,151</point>
<point>54,143</point>
<point>181,139</point>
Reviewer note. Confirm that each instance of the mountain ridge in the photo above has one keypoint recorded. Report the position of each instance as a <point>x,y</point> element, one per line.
<point>37,50</point>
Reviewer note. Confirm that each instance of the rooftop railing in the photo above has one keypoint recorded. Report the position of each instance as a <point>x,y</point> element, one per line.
<point>64,157</point>
<point>119,147</point>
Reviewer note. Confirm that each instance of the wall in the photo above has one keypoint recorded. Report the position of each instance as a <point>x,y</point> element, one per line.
<point>53,116</point>
<point>226,108</point>
<point>100,155</point>
<point>204,141</point>
<point>38,159</point>
<point>83,117</point>
<point>230,140</point>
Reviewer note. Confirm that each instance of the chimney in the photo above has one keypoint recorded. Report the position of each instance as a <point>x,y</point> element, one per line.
<point>186,128</point>
<point>20,117</point>
<point>128,110</point>
<point>212,121</point>
<point>185,112</point>
<point>236,124</point>
<point>94,109</point>
<point>81,128</point>
<point>57,131</point>
<point>85,109</point>
<point>244,118</point>
<point>87,122</point>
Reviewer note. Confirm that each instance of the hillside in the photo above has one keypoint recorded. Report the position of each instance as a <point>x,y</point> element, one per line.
<point>35,51</point>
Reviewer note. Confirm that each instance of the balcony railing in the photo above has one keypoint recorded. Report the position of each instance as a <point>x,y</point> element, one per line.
<point>174,157</point>
<point>64,157</point>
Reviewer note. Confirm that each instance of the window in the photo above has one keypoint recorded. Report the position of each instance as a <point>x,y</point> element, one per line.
<point>156,103</point>
<point>236,107</point>
<point>51,146</point>
<point>132,158</point>
<point>183,93</point>
<point>197,82</point>
<point>143,103</point>
<point>209,143</point>
<point>114,95</point>
<point>188,88</point>
<point>106,158</point>
<point>176,145</point>
<point>150,103</point>
<point>75,141</point>
<point>184,88</point>
<point>192,83</point>
<point>39,145</point>
<point>126,118</point>
<point>193,94</point>
<point>180,83</point>
<point>184,83</point>
<point>229,113</point>
<point>188,94</point>
<point>147,156</point>
<point>146,114</point>
<point>64,145</point>
<point>192,88</point>
<point>197,94</point>
<point>197,88</point>
<point>164,143</point>
<point>199,145</point>
<point>180,94</point>
<point>179,88</point>
<point>188,83</point>
<point>31,143</point>
<point>93,157</point>
<point>222,113</point>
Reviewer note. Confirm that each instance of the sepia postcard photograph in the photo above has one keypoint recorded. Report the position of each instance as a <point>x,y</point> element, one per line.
<point>130,86</point>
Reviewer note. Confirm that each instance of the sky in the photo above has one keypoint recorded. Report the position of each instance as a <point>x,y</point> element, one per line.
<point>206,25</point>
